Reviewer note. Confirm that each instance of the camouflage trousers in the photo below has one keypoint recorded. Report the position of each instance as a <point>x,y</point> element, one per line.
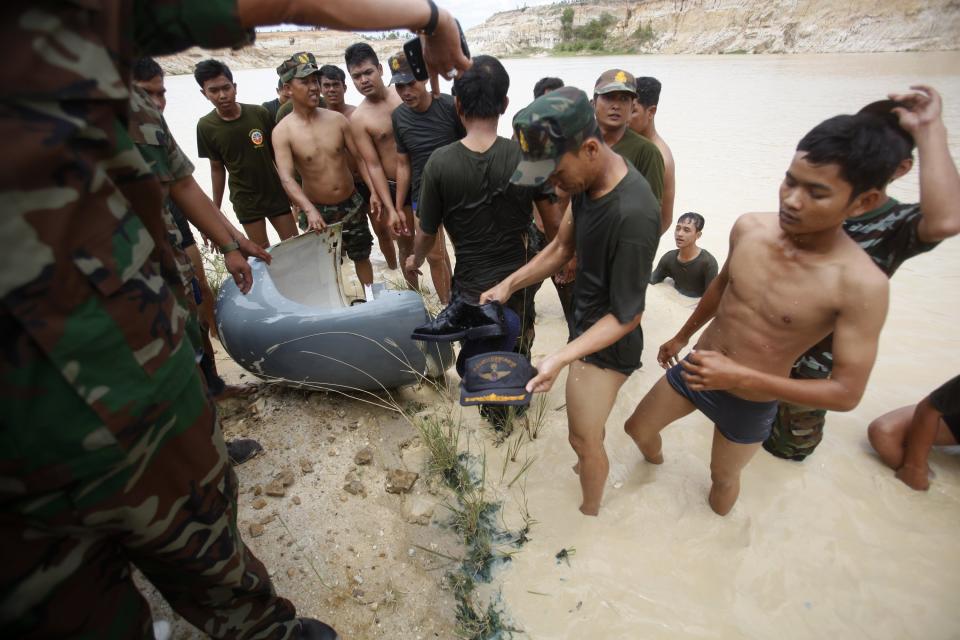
<point>87,505</point>
<point>797,430</point>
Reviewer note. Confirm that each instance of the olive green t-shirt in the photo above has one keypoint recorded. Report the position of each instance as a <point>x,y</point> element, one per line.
<point>243,146</point>
<point>645,156</point>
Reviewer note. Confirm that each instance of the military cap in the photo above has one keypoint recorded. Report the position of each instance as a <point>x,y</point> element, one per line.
<point>615,80</point>
<point>400,69</point>
<point>299,65</point>
<point>550,126</point>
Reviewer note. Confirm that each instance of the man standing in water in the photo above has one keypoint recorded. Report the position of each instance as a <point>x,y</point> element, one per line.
<point>643,122</point>
<point>691,268</point>
<point>614,227</point>
<point>890,234</point>
<point>614,96</point>
<point>741,364</point>
<point>373,132</point>
<point>236,139</point>
<point>420,125</point>
<point>315,143</point>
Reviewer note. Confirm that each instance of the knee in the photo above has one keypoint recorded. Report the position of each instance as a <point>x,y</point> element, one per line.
<point>880,433</point>
<point>584,446</point>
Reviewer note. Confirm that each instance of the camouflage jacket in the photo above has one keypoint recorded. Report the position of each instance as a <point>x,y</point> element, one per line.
<point>84,271</point>
<point>155,142</point>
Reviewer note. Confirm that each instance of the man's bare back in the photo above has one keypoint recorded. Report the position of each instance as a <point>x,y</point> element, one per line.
<point>781,298</point>
<point>669,178</point>
<point>318,146</point>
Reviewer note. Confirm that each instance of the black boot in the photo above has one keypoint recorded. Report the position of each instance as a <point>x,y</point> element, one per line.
<point>242,449</point>
<point>311,629</point>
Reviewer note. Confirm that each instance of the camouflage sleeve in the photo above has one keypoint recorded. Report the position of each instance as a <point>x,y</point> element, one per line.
<point>167,26</point>
<point>179,164</point>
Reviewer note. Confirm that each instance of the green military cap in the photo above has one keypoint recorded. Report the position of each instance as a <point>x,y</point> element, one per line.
<point>615,80</point>
<point>299,65</point>
<point>400,69</point>
<point>550,126</point>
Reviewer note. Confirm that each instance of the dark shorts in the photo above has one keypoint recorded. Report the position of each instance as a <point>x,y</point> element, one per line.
<point>357,239</point>
<point>393,192</point>
<point>186,234</point>
<point>257,217</point>
<point>953,423</point>
<point>738,420</point>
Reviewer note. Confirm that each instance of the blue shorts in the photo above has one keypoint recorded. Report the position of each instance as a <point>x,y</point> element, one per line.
<point>738,420</point>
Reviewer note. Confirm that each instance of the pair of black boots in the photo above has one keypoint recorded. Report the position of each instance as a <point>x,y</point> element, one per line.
<point>463,321</point>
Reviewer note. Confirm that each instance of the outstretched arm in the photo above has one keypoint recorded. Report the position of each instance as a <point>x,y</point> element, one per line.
<point>441,51</point>
<point>543,265</point>
<point>939,180</point>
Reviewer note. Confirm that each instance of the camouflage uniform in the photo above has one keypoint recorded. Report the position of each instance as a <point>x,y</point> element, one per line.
<point>889,236</point>
<point>110,452</point>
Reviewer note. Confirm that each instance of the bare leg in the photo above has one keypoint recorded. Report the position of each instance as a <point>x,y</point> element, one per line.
<point>257,232</point>
<point>439,263</point>
<point>364,271</point>
<point>405,245</point>
<point>385,241</point>
<point>591,392</point>
<point>661,406</point>
<point>888,435</point>
<point>727,459</point>
<point>285,225</point>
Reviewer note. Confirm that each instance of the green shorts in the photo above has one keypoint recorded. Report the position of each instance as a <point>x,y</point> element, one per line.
<point>357,239</point>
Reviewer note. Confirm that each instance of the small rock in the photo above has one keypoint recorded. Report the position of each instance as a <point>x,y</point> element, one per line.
<point>374,606</point>
<point>400,481</point>
<point>275,488</point>
<point>355,487</point>
<point>341,413</point>
<point>306,466</point>
<point>411,552</point>
<point>257,490</point>
<point>259,503</point>
<point>344,498</point>
<point>270,518</point>
<point>286,476</point>
<point>358,579</point>
<point>358,593</point>
<point>331,439</point>
<point>295,499</point>
<point>353,426</point>
<point>291,572</point>
<point>418,510</point>
<point>256,530</point>
<point>364,456</point>
<point>332,453</point>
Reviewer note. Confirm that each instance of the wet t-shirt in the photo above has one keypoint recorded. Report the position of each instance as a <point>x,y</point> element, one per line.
<point>616,238</point>
<point>645,157</point>
<point>487,217</point>
<point>690,278</point>
<point>419,134</point>
<point>243,146</point>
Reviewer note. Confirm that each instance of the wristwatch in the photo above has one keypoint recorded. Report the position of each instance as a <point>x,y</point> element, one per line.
<point>431,27</point>
<point>230,246</point>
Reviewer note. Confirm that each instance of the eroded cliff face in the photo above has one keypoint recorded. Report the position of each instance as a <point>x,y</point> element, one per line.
<point>736,26</point>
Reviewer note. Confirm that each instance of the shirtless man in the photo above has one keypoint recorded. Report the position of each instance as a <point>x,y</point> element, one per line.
<point>315,143</point>
<point>741,364</point>
<point>373,132</point>
<point>643,122</point>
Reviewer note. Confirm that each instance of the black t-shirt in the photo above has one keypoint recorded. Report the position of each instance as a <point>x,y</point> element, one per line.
<point>690,278</point>
<point>419,134</point>
<point>616,238</point>
<point>488,218</point>
<point>243,146</point>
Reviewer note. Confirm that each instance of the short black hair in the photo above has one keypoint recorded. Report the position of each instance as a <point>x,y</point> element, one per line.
<point>648,91</point>
<point>546,84</point>
<point>482,89</point>
<point>210,69</point>
<point>145,69</point>
<point>333,72</point>
<point>693,217</point>
<point>358,53</point>
<point>867,150</point>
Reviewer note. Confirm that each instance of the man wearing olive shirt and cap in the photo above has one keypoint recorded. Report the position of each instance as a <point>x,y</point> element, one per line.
<point>614,225</point>
<point>614,95</point>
